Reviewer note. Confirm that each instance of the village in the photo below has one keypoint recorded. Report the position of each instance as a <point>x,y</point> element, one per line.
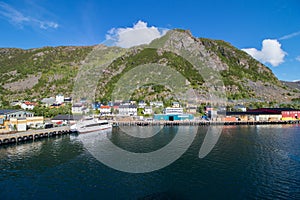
<point>24,118</point>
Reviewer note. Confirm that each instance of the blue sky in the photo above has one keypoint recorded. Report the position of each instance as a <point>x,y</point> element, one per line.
<point>248,25</point>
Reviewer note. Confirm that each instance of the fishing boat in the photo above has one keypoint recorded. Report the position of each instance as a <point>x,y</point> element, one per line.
<point>90,125</point>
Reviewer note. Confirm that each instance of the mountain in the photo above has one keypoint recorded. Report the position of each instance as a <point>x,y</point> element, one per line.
<point>203,63</point>
<point>294,85</point>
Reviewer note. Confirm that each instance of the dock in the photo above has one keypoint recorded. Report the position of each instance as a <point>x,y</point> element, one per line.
<point>32,135</point>
<point>199,123</point>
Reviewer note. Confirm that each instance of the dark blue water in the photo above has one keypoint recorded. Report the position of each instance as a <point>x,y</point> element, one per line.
<point>248,162</point>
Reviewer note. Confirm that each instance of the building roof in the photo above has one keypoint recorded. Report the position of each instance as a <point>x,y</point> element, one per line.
<point>77,105</point>
<point>127,106</point>
<point>9,111</point>
<point>272,110</point>
<point>105,107</point>
<point>28,103</point>
<point>250,113</point>
<point>67,117</point>
<point>49,100</point>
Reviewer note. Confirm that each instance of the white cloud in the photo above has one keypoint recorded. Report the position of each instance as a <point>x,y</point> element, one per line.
<point>271,52</point>
<point>298,58</point>
<point>18,18</point>
<point>288,36</point>
<point>139,34</point>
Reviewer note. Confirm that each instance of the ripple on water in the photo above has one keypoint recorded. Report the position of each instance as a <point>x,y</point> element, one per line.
<point>247,162</point>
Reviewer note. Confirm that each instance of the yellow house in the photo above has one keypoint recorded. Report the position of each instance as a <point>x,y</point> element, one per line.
<point>4,125</point>
<point>18,124</point>
<point>17,120</point>
<point>34,121</point>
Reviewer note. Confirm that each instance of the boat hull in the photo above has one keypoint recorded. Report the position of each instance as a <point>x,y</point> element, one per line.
<point>90,126</point>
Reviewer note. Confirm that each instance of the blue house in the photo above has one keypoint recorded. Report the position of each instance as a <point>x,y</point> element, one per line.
<point>96,105</point>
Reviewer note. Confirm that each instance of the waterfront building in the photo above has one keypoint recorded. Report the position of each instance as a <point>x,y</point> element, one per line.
<point>173,117</point>
<point>78,108</point>
<point>66,119</point>
<point>252,116</point>
<point>291,115</point>
<point>286,113</point>
<point>173,110</point>
<point>264,114</point>
<point>173,114</point>
<point>18,120</point>
<point>128,110</point>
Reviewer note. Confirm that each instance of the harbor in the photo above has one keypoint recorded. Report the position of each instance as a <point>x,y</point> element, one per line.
<point>256,161</point>
<point>199,123</point>
<point>32,135</point>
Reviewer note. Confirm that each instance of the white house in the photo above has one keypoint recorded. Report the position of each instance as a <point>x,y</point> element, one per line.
<point>59,99</point>
<point>175,104</point>
<point>148,110</point>
<point>105,110</point>
<point>142,104</point>
<point>48,101</point>
<point>156,104</point>
<point>128,110</point>
<point>171,110</point>
<point>78,108</point>
<point>27,105</point>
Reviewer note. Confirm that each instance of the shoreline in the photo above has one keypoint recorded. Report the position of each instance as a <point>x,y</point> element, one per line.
<point>33,135</point>
<point>199,123</point>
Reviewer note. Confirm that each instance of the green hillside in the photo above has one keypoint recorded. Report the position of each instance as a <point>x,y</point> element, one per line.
<point>44,72</point>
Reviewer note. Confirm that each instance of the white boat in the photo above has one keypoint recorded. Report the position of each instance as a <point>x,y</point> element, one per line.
<point>90,125</point>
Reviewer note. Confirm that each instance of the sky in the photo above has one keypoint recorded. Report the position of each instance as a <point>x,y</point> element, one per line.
<point>268,30</point>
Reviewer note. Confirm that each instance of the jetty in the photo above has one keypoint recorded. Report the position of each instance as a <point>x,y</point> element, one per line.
<point>32,135</point>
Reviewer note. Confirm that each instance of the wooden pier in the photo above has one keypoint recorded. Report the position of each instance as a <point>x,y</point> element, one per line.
<point>33,135</point>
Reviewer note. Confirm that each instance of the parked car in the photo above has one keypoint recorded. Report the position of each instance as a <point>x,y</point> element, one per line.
<point>48,126</point>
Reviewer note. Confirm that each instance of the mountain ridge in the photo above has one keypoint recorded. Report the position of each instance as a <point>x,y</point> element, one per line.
<point>53,70</point>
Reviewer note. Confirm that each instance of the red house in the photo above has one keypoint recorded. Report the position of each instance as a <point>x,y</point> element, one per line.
<point>291,115</point>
